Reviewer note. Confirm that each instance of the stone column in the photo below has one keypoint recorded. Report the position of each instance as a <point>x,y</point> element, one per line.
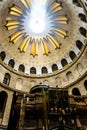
<point>6,116</point>
<point>22,115</point>
<point>78,123</point>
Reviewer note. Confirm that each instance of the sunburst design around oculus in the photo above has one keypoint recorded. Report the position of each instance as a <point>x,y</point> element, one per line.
<point>22,32</point>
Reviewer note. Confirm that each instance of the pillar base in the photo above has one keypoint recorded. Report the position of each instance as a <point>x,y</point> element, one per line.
<point>2,127</point>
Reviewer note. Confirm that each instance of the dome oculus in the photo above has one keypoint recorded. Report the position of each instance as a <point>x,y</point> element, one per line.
<point>36,25</point>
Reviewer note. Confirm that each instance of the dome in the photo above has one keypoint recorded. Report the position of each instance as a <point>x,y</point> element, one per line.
<point>43,64</point>
<point>42,42</point>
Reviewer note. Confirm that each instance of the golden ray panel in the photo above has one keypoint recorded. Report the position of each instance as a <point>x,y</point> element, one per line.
<point>18,25</point>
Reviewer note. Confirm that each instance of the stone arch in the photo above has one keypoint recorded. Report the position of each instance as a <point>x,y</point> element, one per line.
<point>32,70</point>
<point>44,70</point>
<point>72,55</point>
<point>19,84</point>
<point>11,63</point>
<point>76,92</point>
<point>3,100</point>
<point>54,67</point>
<point>21,68</point>
<point>69,76</point>
<point>64,62</point>
<point>83,31</point>
<point>7,78</point>
<point>76,3</point>
<point>82,17</point>
<point>79,44</point>
<point>2,55</point>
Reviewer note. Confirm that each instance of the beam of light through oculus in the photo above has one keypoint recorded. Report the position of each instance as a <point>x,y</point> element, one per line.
<point>38,16</point>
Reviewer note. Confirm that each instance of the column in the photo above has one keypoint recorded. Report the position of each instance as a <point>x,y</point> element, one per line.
<point>78,123</point>
<point>7,111</point>
<point>22,114</point>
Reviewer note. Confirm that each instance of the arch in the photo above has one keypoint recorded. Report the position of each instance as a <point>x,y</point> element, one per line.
<point>2,55</point>
<point>79,44</point>
<point>54,67</point>
<point>64,62</point>
<point>6,79</point>
<point>11,63</point>
<point>3,100</point>
<point>19,84</point>
<point>72,55</point>
<point>83,31</point>
<point>85,84</point>
<point>69,76</point>
<point>44,70</point>
<point>76,92</point>
<point>39,88</point>
<point>33,70</point>
<point>21,68</point>
<point>76,3</point>
<point>79,67</point>
<point>82,17</point>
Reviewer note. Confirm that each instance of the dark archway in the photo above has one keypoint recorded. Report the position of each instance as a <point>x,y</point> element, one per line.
<point>76,3</point>
<point>76,92</point>
<point>64,62</point>
<point>11,63</point>
<point>72,55</point>
<point>82,17</point>
<point>2,55</point>
<point>54,67</point>
<point>21,68</point>
<point>3,100</point>
<point>44,70</point>
<point>79,44</point>
<point>33,70</point>
<point>83,31</point>
<point>6,79</point>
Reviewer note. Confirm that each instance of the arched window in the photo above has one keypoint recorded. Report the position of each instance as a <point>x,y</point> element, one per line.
<point>69,76</point>
<point>2,55</point>
<point>76,92</point>
<point>85,84</point>
<point>79,44</point>
<point>21,68</point>
<point>44,70</point>
<point>11,63</point>
<point>6,79</point>
<point>3,99</point>
<point>33,70</point>
<point>64,62</point>
<point>83,31</point>
<point>76,3</point>
<point>82,17</point>
<point>72,55</point>
<point>54,67</point>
